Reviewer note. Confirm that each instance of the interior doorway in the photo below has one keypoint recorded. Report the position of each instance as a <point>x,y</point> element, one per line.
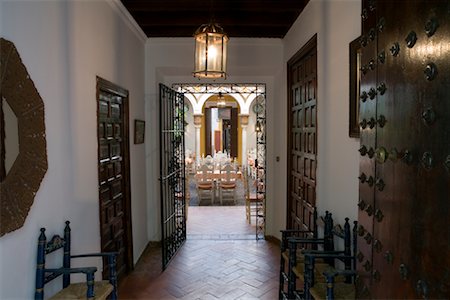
<point>225,126</point>
<point>114,175</point>
<point>221,130</point>
<point>302,137</point>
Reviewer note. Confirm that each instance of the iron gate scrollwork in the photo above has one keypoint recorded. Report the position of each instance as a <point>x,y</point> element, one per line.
<point>261,167</point>
<point>172,172</point>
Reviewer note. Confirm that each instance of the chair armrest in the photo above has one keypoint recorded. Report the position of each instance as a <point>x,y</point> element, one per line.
<point>310,251</point>
<point>336,272</point>
<point>313,256</point>
<point>289,233</point>
<point>305,240</point>
<point>295,241</point>
<point>89,271</point>
<point>85,270</point>
<point>295,231</point>
<point>102,254</point>
<point>112,267</point>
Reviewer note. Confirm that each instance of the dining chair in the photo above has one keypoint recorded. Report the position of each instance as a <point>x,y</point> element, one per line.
<point>252,199</point>
<point>227,184</point>
<point>205,184</point>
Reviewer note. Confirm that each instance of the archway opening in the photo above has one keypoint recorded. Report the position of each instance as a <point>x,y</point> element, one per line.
<point>225,125</point>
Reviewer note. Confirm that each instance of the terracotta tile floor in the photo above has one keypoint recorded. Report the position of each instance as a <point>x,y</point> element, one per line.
<point>219,222</point>
<point>216,262</point>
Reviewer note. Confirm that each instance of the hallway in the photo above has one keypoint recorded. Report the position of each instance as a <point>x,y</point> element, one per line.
<point>216,262</point>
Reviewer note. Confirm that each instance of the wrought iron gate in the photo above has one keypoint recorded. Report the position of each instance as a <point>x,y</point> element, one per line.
<point>172,172</point>
<point>261,166</point>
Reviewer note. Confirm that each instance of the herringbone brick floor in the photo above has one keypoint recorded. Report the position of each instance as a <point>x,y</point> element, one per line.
<point>222,268</point>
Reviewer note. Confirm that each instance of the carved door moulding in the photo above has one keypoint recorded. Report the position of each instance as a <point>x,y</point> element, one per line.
<point>21,183</point>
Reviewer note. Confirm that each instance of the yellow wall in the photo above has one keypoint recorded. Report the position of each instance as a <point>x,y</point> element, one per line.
<point>203,133</point>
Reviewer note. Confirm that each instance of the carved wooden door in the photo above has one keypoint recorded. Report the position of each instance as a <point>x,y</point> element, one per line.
<point>302,130</point>
<point>405,151</point>
<point>114,177</point>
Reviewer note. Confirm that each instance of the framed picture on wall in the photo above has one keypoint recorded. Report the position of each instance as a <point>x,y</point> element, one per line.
<point>355,75</point>
<point>139,131</point>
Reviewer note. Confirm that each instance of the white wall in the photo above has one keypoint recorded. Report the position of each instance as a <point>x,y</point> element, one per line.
<point>64,45</point>
<point>170,60</point>
<point>336,23</point>
<point>189,134</point>
<point>251,133</point>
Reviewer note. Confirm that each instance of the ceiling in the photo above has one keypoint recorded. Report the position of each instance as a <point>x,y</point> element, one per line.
<point>239,18</point>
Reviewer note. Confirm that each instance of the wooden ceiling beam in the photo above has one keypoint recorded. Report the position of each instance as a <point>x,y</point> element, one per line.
<point>239,18</point>
<point>234,31</point>
<point>155,19</point>
<point>217,7</point>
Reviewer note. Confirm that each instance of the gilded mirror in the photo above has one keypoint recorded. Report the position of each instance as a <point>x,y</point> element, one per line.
<point>23,153</point>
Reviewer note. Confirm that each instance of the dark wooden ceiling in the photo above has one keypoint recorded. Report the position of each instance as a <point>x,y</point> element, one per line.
<point>239,18</point>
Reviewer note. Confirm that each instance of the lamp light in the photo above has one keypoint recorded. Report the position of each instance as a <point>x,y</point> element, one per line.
<point>221,100</point>
<point>210,59</point>
<point>258,126</point>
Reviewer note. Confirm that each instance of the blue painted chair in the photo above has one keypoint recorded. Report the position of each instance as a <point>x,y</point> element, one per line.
<point>328,287</point>
<point>310,240</point>
<point>84,290</point>
<point>296,247</point>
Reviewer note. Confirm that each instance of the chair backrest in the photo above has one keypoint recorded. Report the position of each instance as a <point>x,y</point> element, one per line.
<point>204,171</point>
<point>228,173</point>
<point>47,247</point>
<point>325,222</point>
<point>208,160</point>
<point>246,180</point>
<point>346,236</point>
<point>354,242</point>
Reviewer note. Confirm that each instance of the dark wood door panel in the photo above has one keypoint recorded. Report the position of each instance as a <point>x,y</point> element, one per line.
<point>406,208</point>
<point>302,132</point>
<point>113,169</point>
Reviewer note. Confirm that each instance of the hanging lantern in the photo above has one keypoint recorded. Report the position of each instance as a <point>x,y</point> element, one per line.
<point>221,100</point>
<point>210,52</point>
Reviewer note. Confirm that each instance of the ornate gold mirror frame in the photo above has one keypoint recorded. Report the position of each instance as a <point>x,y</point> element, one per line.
<point>19,186</point>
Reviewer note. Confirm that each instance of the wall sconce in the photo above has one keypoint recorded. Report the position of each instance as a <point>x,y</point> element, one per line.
<point>210,59</point>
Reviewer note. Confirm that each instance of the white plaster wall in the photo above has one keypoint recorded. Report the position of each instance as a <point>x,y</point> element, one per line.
<point>251,133</point>
<point>337,23</point>
<point>170,60</point>
<point>65,45</point>
<point>189,134</point>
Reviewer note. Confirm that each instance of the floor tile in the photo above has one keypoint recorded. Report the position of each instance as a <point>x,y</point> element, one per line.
<point>221,259</point>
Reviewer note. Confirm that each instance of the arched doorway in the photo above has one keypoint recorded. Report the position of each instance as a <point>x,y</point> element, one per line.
<point>249,101</point>
<point>221,132</point>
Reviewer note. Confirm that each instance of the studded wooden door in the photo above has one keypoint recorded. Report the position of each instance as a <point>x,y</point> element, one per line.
<point>302,130</point>
<point>114,174</point>
<point>405,151</point>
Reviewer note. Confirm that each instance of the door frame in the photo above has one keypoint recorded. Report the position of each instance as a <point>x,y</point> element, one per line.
<point>105,85</point>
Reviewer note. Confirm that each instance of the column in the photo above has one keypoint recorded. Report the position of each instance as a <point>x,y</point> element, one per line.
<point>244,124</point>
<point>197,124</point>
